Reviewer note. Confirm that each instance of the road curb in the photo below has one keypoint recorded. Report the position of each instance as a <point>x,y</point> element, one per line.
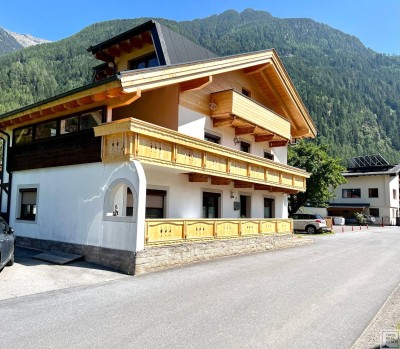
<point>387,318</point>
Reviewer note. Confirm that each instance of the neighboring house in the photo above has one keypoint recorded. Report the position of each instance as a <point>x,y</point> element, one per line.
<point>372,188</point>
<point>167,132</point>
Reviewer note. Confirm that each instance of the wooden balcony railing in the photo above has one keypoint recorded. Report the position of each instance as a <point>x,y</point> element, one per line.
<point>169,231</point>
<point>245,111</point>
<point>129,139</point>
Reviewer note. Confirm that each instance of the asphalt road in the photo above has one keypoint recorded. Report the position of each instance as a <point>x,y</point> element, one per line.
<point>316,296</point>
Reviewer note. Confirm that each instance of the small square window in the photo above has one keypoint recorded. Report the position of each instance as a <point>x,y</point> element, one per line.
<point>245,147</point>
<point>268,155</point>
<point>212,138</point>
<point>351,193</point>
<point>373,192</point>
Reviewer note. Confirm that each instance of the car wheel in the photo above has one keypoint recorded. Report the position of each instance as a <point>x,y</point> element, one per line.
<point>11,261</point>
<point>310,229</point>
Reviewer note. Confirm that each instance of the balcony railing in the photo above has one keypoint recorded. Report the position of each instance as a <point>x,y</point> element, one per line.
<point>130,139</point>
<point>170,231</point>
<point>232,103</point>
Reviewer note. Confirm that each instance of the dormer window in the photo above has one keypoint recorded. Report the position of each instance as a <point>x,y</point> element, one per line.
<point>147,61</point>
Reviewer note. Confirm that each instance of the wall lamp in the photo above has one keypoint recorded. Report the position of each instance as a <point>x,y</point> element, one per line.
<point>236,140</point>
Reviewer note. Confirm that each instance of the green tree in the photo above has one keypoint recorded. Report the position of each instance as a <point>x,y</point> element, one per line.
<point>326,174</point>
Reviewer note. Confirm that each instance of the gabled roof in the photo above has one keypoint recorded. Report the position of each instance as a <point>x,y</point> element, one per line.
<point>171,47</point>
<point>264,65</point>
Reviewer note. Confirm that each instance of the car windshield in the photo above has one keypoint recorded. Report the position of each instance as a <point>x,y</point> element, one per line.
<point>318,216</point>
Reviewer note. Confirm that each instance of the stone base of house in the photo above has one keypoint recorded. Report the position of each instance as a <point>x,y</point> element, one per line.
<point>163,257</point>
<point>116,259</point>
<point>156,258</point>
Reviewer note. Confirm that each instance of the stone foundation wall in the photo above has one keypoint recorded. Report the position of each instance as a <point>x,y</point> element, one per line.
<point>162,257</point>
<point>117,259</point>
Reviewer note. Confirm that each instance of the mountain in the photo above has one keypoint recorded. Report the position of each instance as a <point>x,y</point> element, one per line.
<point>10,41</point>
<point>26,40</point>
<point>351,92</point>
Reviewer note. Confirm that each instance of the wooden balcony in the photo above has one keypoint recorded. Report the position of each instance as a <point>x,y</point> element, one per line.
<point>130,139</point>
<point>170,231</point>
<point>230,108</point>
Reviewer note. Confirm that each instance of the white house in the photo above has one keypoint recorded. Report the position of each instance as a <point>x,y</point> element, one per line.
<point>169,143</point>
<point>372,188</point>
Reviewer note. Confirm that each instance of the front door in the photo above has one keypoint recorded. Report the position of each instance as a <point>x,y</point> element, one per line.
<point>245,206</point>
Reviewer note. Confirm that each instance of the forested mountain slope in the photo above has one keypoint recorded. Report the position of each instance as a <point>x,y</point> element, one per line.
<point>352,93</point>
<point>7,42</point>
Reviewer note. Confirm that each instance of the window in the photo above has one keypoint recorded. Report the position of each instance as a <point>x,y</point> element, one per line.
<point>351,193</point>
<point>211,205</point>
<point>374,212</point>
<point>268,208</point>
<point>28,202</point>
<point>246,92</point>
<point>245,147</point>
<point>68,124</point>
<point>395,194</point>
<point>155,203</point>
<point>144,62</point>
<point>373,192</point>
<point>268,155</point>
<point>245,206</point>
<point>46,130</point>
<point>90,120</point>
<point>120,201</point>
<point>212,138</point>
<point>23,135</point>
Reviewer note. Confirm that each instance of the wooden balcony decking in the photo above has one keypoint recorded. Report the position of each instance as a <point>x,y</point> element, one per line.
<point>230,108</point>
<point>171,231</point>
<point>131,139</point>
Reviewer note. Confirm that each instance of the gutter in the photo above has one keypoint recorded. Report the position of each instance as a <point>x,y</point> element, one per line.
<point>8,191</point>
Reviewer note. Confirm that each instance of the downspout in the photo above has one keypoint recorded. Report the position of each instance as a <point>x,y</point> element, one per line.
<point>8,191</point>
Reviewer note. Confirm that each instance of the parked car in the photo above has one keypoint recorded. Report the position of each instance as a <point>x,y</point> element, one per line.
<point>310,223</point>
<point>7,244</point>
<point>365,220</point>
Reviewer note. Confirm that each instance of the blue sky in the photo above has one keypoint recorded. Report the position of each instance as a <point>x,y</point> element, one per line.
<point>375,23</point>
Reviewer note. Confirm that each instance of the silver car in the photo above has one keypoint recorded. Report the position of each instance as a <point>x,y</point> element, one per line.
<point>7,244</point>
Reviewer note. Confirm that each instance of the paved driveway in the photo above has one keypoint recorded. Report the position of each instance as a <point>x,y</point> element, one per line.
<point>316,296</point>
<point>29,276</point>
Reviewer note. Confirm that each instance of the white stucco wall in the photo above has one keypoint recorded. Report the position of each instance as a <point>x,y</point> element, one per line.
<point>195,124</point>
<point>185,199</point>
<point>70,205</point>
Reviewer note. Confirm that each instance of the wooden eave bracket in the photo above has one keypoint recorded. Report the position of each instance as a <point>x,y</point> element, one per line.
<point>241,184</point>
<point>198,178</point>
<point>282,143</point>
<point>220,181</point>
<point>244,130</point>
<point>256,69</point>
<point>301,132</point>
<point>223,121</point>
<point>196,84</point>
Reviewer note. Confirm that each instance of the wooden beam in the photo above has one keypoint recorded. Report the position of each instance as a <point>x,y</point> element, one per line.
<point>244,130</point>
<point>262,187</point>
<point>146,36</point>
<point>278,144</point>
<point>198,178</point>
<point>100,97</point>
<point>227,121</point>
<point>301,132</point>
<point>241,184</point>
<point>136,42</point>
<point>114,51</point>
<point>256,68</point>
<point>220,181</point>
<point>197,84</point>
<point>124,100</point>
<point>85,100</point>
<point>264,138</point>
<point>103,56</point>
<point>125,46</point>
<point>71,105</point>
